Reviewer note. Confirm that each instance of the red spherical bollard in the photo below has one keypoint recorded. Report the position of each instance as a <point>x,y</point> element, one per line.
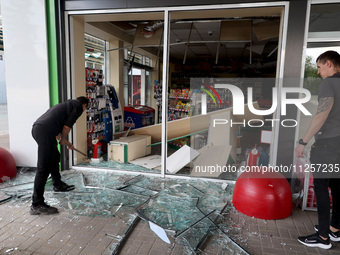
<point>8,169</point>
<point>263,194</point>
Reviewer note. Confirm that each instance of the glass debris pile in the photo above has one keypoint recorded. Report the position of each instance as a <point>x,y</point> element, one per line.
<point>189,211</point>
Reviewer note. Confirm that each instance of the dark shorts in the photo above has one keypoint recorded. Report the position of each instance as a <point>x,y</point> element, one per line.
<point>325,158</point>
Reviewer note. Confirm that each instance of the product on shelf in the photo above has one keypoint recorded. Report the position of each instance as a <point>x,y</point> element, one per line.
<point>104,116</point>
<point>180,142</point>
<point>138,116</point>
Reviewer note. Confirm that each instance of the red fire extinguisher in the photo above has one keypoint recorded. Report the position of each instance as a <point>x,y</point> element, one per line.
<point>253,157</point>
<point>97,149</point>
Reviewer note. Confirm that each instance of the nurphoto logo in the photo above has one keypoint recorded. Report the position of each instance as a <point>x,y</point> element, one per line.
<point>238,106</point>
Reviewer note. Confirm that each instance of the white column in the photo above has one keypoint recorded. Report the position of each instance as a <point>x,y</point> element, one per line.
<point>26,70</point>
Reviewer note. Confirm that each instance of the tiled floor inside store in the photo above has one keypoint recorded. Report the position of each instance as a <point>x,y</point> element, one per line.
<point>95,219</point>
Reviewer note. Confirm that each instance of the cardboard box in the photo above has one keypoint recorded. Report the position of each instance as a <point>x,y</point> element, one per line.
<point>129,148</point>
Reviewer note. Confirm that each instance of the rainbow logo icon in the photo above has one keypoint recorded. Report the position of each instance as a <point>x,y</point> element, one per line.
<point>211,95</point>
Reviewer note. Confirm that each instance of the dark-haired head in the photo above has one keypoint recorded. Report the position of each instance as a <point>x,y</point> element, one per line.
<point>83,100</point>
<point>330,55</point>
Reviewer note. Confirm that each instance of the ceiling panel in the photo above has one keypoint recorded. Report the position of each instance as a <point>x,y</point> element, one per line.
<point>324,17</point>
<point>204,28</point>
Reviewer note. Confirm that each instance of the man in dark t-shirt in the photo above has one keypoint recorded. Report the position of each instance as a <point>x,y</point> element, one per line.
<point>53,125</point>
<point>325,153</point>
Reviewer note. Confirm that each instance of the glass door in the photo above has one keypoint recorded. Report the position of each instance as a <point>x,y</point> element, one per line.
<point>323,35</point>
<point>208,49</point>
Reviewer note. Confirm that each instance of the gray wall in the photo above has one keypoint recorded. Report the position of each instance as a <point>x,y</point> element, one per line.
<point>26,71</point>
<point>292,73</point>
<point>110,4</point>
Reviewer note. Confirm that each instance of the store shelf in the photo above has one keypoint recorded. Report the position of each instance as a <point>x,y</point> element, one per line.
<point>179,110</point>
<point>223,102</point>
<point>182,98</point>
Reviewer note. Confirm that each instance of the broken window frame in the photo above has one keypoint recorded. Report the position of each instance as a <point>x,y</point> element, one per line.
<point>165,77</point>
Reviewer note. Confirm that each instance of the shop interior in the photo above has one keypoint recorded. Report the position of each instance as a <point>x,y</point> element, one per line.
<point>123,73</point>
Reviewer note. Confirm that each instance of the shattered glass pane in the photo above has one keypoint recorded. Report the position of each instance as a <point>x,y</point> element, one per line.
<point>172,212</point>
<point>21,186</point>
<point>187,190</point>
<point>126,219</point>
<point>106,179</point>
<point>21,183</point>
<point>140,191</point>
<point>195,235</point>
<point>76,179</point>
<point>19,190</point>
<point>118,166</point>
<point>223,244</point>
<point>4,197</point>
<point>189,210</point>
<point>179,205</point>
<point>94,201</point>
<point>214,197</point>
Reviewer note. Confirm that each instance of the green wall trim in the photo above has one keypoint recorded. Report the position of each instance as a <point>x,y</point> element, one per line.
<point>52,52</point>
<point>51,28</point>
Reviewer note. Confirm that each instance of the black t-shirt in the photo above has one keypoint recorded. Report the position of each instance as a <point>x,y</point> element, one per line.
<point>330,87</point>
<point>60,115</point>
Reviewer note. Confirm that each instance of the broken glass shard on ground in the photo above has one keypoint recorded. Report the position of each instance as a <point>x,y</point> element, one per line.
<point>91,200</point>
<point>172,212</point>
<point>223,244</point>
<point>190,208</point>
<point>184,203</point>
<point>21,185</point>
<point>118,166</point>
<point>4,197</point>
<point>139,190</point>
<point>187,209</point>
<point>195,235</point>
<point>126,220</point>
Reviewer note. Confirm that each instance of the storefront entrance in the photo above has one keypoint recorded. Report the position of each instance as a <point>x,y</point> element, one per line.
<point>164,69</point>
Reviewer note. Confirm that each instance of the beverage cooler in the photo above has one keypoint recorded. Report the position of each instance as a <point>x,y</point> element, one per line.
<point>138,116</point>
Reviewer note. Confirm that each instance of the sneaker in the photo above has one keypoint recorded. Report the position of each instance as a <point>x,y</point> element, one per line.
<point>63,187</point>
<point>43,209</point>
<point>315,241</point>
<point>334,236</point>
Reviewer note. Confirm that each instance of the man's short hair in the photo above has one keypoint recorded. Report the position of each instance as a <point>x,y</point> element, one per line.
<point>331,55</point>
<point>83,100</point>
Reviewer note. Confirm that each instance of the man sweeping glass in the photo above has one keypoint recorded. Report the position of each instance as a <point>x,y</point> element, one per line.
<point>53,126</point>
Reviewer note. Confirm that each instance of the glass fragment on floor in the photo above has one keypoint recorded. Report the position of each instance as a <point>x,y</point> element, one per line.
<point>189,210</point>
<point>119,166</point>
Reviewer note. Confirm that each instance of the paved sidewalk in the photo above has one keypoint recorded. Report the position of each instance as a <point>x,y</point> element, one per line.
<point>22,233</point>
<point>71,234</point>
<point>254,235</point>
